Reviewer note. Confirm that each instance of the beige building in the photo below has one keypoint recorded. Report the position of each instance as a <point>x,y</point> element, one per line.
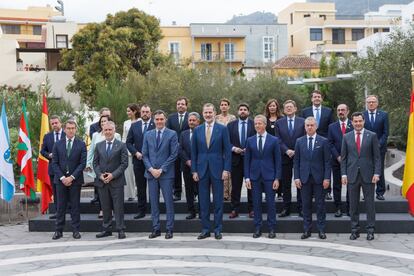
<point>313,29</point>
<point>177,42</point>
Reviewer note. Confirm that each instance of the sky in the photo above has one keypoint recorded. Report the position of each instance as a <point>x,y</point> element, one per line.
<point>183,12</point>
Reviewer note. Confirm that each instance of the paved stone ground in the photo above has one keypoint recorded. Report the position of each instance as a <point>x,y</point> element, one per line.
<point>34,253</point>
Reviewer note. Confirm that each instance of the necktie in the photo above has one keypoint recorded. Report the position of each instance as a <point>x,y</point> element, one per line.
<point>343,128</point>
<point>358,142</point>
<point>181,121</point>
<point>145,127</point>
<point>372,119</point>
<point>57,137</point>
<point>260,144</point>
<point>290,127</point>
<point>108,148</point>
<point>208,135</point>
<point>68,148</point>
<point>158,138</point>
<point>243,135</point>
<point>310,144</point>
<point>318,115</point>
<point>191,135</point>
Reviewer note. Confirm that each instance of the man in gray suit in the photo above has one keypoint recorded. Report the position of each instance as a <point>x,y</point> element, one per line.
<point>159,151</point>
<point>360,167</point>
<point>109,163</point>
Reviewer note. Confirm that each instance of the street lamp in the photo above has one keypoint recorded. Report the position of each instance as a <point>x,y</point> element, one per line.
<point>61,7</point>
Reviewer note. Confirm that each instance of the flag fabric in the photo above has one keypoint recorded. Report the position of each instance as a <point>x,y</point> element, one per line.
<point>24,156</point>
<point>43,179</point>
<point>6,164</point>
<point>408,179</point>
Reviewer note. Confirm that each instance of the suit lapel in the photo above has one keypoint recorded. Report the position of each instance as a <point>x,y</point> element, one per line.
<point>214,133</point>
<point>365,138</point>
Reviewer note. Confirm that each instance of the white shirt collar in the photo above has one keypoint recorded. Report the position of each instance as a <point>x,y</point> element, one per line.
<point>67,139</point>
<point>112,141</point>
<point>346,122</point>
<point>162,130</point>
<point>211,124</point>
<point>263,135</point>
<point>289,118</point>
<point>315,107</point>
<point>361,131</point>
<point>374,111</point>
<point>313,136</point>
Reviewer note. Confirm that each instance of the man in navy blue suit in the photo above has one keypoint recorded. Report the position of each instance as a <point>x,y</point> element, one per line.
<point>263,170</point>
<point>288,130</point>
<point>178,122</point>
<point>159,151</point>
<point>69,161</point>
<point>323,116</point>
<point>336,132</point>
<point>377,121</point>
<point>185,156</point>
<point>312,170</point>
<point>49,141</point>
<point>134,143</point>
<point>210,165</point>
<point>239,131</point>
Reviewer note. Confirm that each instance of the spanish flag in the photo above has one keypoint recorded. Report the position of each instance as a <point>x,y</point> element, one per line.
<point>43,180</point>
<point>408,180</point>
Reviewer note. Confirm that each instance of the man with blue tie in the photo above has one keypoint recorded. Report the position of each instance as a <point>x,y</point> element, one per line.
<point>288,130</point>
<point>68,162</point>
<point>312,170</point>
<point>263,170</point>
<point>210,165</point>
<point>239,131</point>
<point>323,116</point>
<point>335,133</point>
<point>134,143</point>
<point>49,141</point>
<point>159,151</point>
<point>378,123</point>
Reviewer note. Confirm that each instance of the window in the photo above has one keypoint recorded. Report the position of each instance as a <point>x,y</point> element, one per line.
<point>10,29</point>
<point>322,16</point>
<point>376,30</point>
<point>175,51</point>
<point>37,30</point>
<point>357,34</point>
<point>386,30</point>
<point>338,36</point>
<point>291,41</point>
<point>291,18</point>
<point>315,34</point>
<point>206,51</point>
<point>61,41</point>
<point>268,46</point>
<point>306,15</point>
<point>229,51</point>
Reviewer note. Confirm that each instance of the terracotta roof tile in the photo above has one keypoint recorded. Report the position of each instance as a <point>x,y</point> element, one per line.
<point>296,62</point>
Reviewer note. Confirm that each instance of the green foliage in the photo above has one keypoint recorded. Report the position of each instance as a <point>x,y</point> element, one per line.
<point>124,42</point>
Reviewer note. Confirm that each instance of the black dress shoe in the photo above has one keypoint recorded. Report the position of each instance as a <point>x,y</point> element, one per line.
<point>57,235</point>
<point>370,236</point>
<point>140,215</point>
<point>305,235</point>
<point>283,214</point>
<point>380,197</point>
<point>154,234</point>
<point>218,236</point>
<point>76,235</point>
<point>338,213</point>
<point>322,235</point>
<point>300,214</point>
<point>168,235</point>
<point>103,234</point>
<point>257,234</point>
<point>271,234</point>
<point>203,236</point>
<point>251,214</point>
<point>94,200</point>
<point>354,236</point>
<point>328,196</point>
<point>52,216</point>
<point>130,199</point>
<point>191,216</point>
<point>177,198</point>
<point>121,235</point>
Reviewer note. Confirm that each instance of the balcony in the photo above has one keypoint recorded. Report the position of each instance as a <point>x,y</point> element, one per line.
<point>219,56</point>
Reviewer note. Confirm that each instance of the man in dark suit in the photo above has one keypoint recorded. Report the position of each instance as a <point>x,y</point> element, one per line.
<point>49,141</point>
<point>134,143</point>
<point>239,131</point>
<point>110,161</point>
<point>178,122</point>
<point>160,150</point>
<point>69,161</point>
<point>263,170</point>
<point>312,170</point>
<point>323,116</point>
<point>377,121</point>
<point>335,133</point>
<point>360,167</point>
<point>288,130</point>
<point>210,165</point>
<point>185,156</point>
<point>95,127</point>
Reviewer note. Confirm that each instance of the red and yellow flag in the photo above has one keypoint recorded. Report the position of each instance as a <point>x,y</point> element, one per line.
<point>408,179</point>
<point>43,180</point>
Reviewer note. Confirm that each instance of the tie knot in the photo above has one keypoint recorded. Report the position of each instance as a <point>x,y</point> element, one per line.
<point>358,133</point>
<point>317,109</point>
<point>109,142</point>
<point>260,136</point>
<point>243,122</point>
<point>311,138</point>
<point>181,115</point>
<point>372,113</point>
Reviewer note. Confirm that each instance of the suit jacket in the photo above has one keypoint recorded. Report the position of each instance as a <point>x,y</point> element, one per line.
<point>367,163</point>
<point>335,137</point>
<point>135,138</point>
<point>325,120</point>
<point>116,163</point>
<point>317,163</point>
<point>95,127</point>
<point>185,149</point>
<point>380,127</point>
<point>74,165</point>
<point>266,165</point>
<point>233,128</point>
<point>215,158</point>
<point>173,123</point>
<point>286,141</point>
<point>47,147</point>
<point>162,157</point>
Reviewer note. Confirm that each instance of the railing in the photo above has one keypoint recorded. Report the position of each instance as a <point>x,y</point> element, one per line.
<point>214,56</point>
